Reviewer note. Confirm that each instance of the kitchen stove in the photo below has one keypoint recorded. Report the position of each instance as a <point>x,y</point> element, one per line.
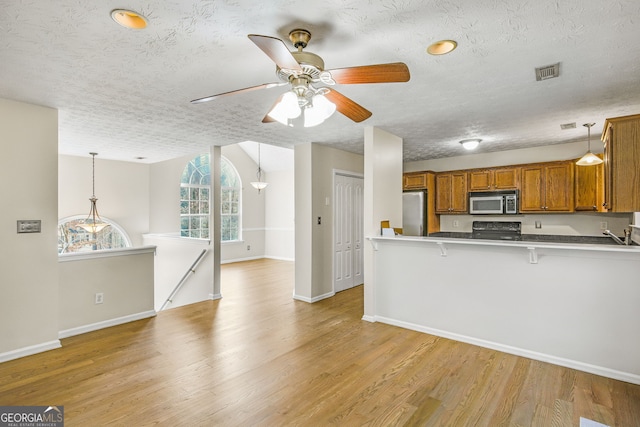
<point>497,230</point>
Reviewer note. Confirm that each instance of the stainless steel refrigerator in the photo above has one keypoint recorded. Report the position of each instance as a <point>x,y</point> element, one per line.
<point>414,213</point>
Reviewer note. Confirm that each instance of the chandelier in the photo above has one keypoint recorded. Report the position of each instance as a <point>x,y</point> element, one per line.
<point>259,184</point>
<point>93,223</point>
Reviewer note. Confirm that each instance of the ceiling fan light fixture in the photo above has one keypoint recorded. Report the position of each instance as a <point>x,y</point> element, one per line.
<point>470,144</point>
<point>589,159</point>
<point>442,47</point>
<point>320,110</point>
<point>288,108</point>
<point>129,19</point>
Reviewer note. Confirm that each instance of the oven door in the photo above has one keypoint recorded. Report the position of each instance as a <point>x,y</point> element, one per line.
<point>486,205</point>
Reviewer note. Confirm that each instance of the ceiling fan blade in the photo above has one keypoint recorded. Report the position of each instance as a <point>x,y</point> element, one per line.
<point>347,106</point>
<point>233,92</point>
<point>277,51</point>
<point>380,73</point>
<point>267,117</point>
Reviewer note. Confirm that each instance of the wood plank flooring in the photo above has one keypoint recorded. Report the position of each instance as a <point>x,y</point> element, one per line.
<point>259,358</point>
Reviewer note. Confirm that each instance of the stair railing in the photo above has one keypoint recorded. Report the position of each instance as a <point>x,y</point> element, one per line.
<point>191,269</point>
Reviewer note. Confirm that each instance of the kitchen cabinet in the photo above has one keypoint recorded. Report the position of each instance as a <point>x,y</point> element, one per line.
<point>415,180</point>
<point>589,187</point>
<point>494,179</point>
<point>547,187</point>
<point>451,192</point>
<point>621,137</point>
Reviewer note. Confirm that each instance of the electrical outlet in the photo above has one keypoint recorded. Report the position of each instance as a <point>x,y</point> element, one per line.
<point>248,247</point>
<point>538,224</point>
<point>319,220</point>
<point>603,225</point>
<point>99,298</point>
<point>456,224</point>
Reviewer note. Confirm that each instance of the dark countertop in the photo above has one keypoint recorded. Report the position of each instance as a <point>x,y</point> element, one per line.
<point>591,240</point>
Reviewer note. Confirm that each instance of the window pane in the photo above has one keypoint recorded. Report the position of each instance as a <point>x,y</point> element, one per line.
<point>73,238</point>
<point>195,193</point>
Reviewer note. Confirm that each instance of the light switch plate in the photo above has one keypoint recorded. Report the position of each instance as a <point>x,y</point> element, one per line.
<point>29,226</point>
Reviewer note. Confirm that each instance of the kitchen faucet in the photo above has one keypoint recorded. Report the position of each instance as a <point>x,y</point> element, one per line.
<point>614,237</point>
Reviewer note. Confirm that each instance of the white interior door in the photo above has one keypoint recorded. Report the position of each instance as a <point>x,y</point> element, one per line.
<point>348,232</point>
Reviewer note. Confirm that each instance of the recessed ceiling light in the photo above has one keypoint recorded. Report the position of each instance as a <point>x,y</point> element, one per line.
<point>470,144</point>
<point>129,19</point>
<point>442,47</point>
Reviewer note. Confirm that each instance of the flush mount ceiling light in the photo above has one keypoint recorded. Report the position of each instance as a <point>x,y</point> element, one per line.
<point>442,47</point>
<point>470,144</point>
<point>129,19</point>
<point>589,159</point>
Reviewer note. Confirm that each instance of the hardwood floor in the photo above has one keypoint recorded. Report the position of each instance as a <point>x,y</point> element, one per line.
<point>259,358</point>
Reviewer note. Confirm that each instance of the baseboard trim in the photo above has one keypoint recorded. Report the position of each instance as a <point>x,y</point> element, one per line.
<point>30,350</point>
<point>313,299</point>
<point>368,318</point>
<point>215,296</point>
<point>105,324</point>
<point>229,261</point>
<point>555,360</point>
<point>279,258</point>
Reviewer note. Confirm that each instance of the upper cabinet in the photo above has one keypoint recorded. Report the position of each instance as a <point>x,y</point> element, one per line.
<point>506,178</point>
<point>415,180</point>
<point>547,187</point>
<point>621,137</point>
<point>451,192</point>
<point>589,187</point>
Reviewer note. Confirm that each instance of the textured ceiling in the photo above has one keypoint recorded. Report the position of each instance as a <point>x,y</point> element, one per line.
<point>125,93</point>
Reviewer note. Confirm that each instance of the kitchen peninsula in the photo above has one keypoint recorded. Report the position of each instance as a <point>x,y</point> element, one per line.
<point>574,305</point>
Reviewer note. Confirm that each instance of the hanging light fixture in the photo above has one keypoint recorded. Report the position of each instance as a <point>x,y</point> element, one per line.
<point>259,184</point>
<point>93,224</point>
<point>589,159</point>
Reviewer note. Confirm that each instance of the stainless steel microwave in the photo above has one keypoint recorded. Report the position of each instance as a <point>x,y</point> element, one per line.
<point>493,202</point>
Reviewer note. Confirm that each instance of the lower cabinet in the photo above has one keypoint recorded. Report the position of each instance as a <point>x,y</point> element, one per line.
<point>547,187</point>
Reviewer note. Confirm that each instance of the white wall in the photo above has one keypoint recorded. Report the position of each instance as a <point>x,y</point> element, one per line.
<point>382,197</point>
<point>279,215</point>
<point>28,262</point>
<point>122,190</point>
<point>124,277</point>
<point>314,167</point>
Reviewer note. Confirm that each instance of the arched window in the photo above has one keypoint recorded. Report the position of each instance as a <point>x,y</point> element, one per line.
<point>73,238</point>
<point>195,189</point>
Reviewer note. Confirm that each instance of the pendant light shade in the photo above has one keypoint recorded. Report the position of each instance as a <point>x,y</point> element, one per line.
<point>93,223</point>
<point>259,184</point>
<point>589,159</point>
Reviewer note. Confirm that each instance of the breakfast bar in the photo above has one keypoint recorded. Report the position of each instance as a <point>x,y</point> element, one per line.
<point>571,304</point>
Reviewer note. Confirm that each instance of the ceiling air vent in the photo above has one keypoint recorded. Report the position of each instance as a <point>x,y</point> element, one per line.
<point>548,72</point>
<point>566,126</point>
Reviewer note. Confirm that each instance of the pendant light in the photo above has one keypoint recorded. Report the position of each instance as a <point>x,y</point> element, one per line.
<point>93,224</point>
<point>259,184</point>
<point>589,159</point>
